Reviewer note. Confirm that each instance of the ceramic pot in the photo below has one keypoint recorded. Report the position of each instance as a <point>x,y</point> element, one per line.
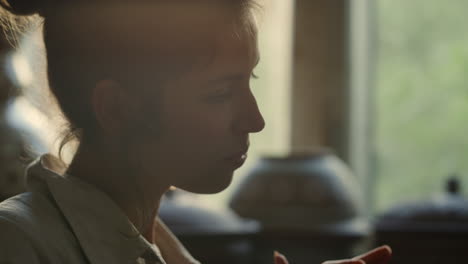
<point>312,191</point>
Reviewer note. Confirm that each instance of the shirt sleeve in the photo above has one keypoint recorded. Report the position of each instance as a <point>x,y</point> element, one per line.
<point>15,246</point>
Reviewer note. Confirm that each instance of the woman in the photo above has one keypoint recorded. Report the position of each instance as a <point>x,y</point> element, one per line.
<point>157,94</point>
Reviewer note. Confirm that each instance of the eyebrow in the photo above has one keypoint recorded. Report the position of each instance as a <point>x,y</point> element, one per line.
<point>226,78</point>
<point>232,77</point>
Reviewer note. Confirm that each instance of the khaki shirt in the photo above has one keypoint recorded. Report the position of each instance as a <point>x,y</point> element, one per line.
<point>62,219</point>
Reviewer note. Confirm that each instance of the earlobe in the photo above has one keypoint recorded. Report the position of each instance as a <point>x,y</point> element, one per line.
<point>107,100</point>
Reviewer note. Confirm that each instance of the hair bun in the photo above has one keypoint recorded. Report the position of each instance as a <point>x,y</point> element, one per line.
<point>24,7</point>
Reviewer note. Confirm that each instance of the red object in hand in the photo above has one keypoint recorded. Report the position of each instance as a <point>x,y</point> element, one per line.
<point>279,258</point>
<point>380,255</point>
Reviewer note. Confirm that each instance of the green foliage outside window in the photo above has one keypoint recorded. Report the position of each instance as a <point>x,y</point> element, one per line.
<point>422,98</point>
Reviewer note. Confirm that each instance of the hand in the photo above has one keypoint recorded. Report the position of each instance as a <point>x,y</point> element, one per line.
<point>380,255</point>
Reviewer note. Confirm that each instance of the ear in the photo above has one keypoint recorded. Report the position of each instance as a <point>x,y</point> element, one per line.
<point>108,102</point>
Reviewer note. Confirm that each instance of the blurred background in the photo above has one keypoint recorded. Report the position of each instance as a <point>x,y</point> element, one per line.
<point>366,105</point>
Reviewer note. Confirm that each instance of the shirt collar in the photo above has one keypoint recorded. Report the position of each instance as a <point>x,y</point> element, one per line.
<point>102,229</point>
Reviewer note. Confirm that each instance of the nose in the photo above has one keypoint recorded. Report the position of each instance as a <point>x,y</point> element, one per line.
<point>249,120</point>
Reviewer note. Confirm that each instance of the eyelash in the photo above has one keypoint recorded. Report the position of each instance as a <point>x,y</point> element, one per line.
<point>218,96</point>
<point>225,93</point>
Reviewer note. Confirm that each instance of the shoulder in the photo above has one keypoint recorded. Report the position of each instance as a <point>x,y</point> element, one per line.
<point>33,230</point>
<point>15,245</point>
<point>17,242</point>
<point>30,211</point>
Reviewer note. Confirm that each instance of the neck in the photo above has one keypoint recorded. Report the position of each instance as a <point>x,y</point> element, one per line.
<point>137,194</point>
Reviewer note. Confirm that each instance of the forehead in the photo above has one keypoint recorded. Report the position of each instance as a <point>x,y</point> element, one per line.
<point>182,32</point>
<point>231,57</point>
<point>235,51</point>
<point>212,41</point>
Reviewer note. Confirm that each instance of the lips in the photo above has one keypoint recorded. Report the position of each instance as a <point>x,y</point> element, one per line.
<point>236,160</point>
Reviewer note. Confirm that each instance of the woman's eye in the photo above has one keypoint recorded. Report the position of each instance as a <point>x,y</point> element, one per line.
<point>220,95</point>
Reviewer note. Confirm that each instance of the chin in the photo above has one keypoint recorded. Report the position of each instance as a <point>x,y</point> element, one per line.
<point>211,184</point>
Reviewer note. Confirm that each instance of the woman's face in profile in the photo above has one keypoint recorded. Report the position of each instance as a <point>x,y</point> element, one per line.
<point>206,117</point>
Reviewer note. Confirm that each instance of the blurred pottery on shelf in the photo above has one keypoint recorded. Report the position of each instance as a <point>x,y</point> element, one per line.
<point>313,191</point>
<point>438,225</point>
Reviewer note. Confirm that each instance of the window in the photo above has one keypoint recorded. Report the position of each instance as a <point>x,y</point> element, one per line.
<point>421,93</point>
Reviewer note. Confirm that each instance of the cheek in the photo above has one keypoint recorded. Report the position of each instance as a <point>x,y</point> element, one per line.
<point>198,129</point>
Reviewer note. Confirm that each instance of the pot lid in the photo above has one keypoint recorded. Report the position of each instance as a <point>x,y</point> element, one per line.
<point>449,209</point>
